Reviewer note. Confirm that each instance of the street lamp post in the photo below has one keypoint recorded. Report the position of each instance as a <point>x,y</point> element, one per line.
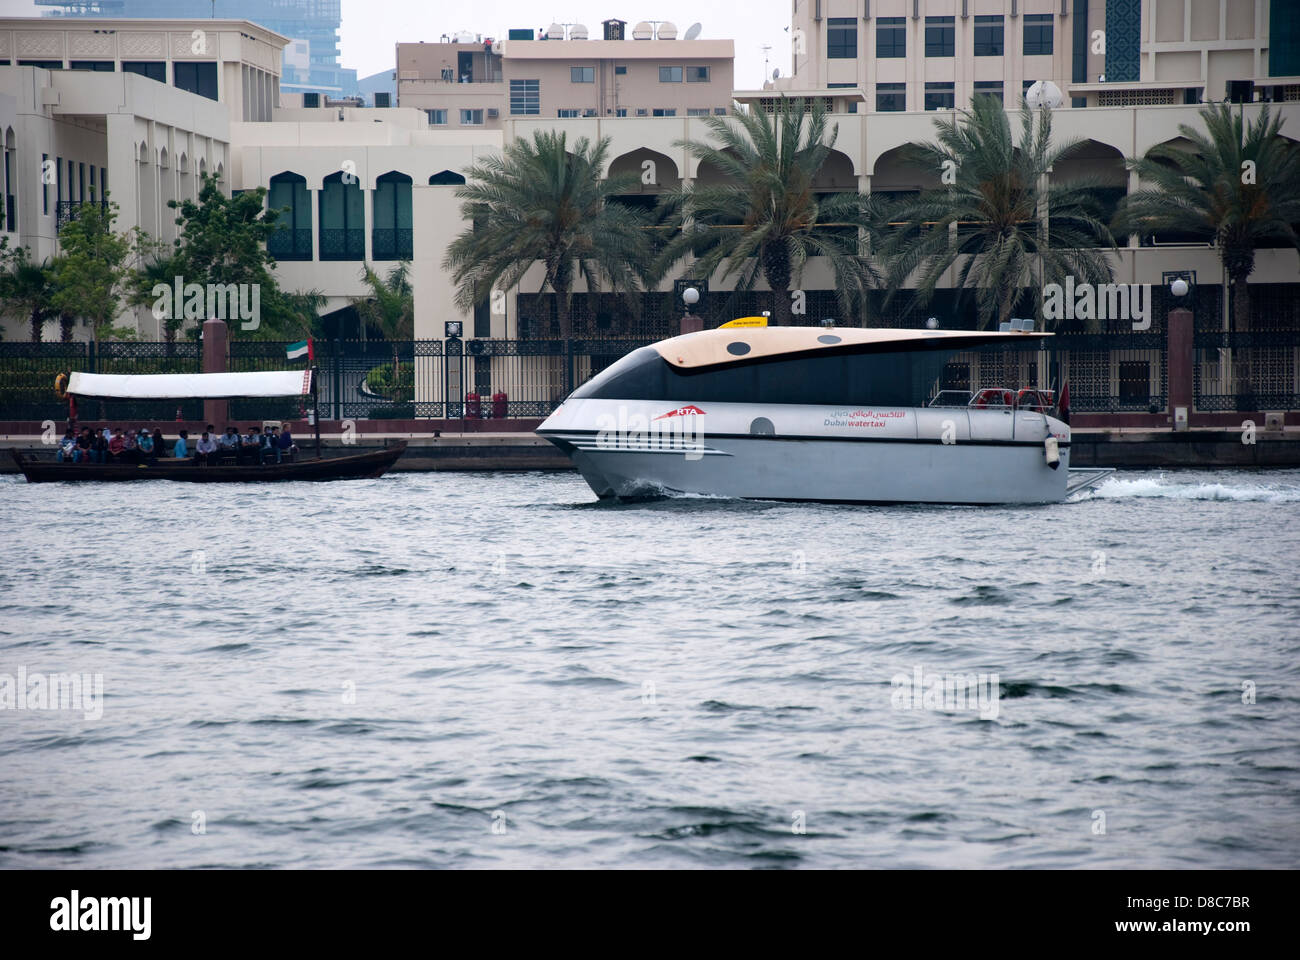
<point>1180,355</point>
<point>690,323</point>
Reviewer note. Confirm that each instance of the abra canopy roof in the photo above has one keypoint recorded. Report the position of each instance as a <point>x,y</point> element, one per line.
<point>184,386</point>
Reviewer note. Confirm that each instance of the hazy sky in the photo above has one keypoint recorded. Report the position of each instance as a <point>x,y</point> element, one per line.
<point>371,27</point>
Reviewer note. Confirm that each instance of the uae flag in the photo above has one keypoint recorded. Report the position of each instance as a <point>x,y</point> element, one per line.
<point>296,351</point>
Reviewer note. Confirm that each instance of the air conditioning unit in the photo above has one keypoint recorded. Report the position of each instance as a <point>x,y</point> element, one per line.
<point>493,113</point>
<point>311,99</point>
<point>383,99</point>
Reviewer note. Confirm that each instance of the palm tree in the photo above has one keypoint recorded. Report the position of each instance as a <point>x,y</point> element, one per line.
<point>158,263</point>
<point>539,201</point>
<point>299,313</point>
<point>27,289</point>
<point>1239,183</point>
<point>767,219</point>
<point>67,323</point>
<point>986,219</point>
<point>390,306</point>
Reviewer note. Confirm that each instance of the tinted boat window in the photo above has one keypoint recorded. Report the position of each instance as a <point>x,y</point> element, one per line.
<point>902,378</point>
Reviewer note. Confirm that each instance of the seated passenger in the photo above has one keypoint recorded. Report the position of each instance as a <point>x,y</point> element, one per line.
<point>180,449</point>
<point>266,453</point>
<point>250,446</point>
<point>287,448</point>
<point>130,449</point>
<point>67,447</point>
<point>116,446</point>
<point>206,449</point>
<point>159,444</point>
<point>271,452</point>
<point>84,443</point>
<point>145,445</point>
<point>228,443</point>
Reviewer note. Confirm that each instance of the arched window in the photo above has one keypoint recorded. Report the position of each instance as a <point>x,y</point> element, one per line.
<point>342,219</point>
<point>390,239</point>
<point>446,178</point>
<point>293,240</point>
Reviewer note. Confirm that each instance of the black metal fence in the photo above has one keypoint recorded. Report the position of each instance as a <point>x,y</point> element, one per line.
<point>1120,370</point>
<point>28,371</point>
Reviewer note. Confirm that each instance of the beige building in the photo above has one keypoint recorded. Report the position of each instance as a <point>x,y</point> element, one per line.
<point>377,186</point>
<point>474,81</point>
<point>140,108</point>
<point>887,56</point>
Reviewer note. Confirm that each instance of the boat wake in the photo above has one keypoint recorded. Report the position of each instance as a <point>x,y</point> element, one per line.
<point>1164,488</point>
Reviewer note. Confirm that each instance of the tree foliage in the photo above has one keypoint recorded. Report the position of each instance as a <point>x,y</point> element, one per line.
<point>768,218</point>
<point>985,218</point>
<point>1239,183</point>
<point>26,289</point>
<point>540,201</point>
<point>89,276</point>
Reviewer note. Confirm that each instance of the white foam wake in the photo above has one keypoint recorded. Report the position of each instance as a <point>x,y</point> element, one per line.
<point>1165,488</point>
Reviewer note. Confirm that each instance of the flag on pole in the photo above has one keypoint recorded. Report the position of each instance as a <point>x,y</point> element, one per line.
<point>298,350</point>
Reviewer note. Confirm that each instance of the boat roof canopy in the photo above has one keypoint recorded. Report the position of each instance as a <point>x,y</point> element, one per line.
<point>709,347</point>
<point>185,386</point>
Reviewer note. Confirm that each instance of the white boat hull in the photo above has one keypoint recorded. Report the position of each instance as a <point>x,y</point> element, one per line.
<point>847,454</point>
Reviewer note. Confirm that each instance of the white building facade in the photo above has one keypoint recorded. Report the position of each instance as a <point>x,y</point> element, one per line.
<point>376,186</point>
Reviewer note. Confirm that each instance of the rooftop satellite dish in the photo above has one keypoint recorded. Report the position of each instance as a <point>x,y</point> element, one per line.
<point>1043,93</point>
<point>555,31</point>
<point>642,31</point>
<point>579,32</point>
<point>667,30</point>
<point>497,47</point>
<point>692,31</point>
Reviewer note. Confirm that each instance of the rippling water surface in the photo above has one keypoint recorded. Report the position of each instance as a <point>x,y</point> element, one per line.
<point>471,670</point>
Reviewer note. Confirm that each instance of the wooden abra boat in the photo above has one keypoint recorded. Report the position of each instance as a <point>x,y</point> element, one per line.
<point>178,386</point>
<point>357,466</point>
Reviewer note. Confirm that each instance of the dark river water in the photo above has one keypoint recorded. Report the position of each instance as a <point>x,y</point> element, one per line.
<point>474,670</point>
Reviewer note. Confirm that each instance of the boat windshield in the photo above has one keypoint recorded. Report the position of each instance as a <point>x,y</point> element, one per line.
<point>894,378</point>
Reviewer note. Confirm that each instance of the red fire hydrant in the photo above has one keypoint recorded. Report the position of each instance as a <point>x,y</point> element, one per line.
<point>499,404</point>
<point>473,407</point>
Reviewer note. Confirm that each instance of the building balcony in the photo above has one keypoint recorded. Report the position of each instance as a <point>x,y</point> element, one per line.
<point>342,244</point>
<point>289,244</point>
<point>395,244</point>
<point>65,211</point>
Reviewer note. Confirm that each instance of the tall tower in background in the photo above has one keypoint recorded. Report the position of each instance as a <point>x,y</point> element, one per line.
<point>311,60</point>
